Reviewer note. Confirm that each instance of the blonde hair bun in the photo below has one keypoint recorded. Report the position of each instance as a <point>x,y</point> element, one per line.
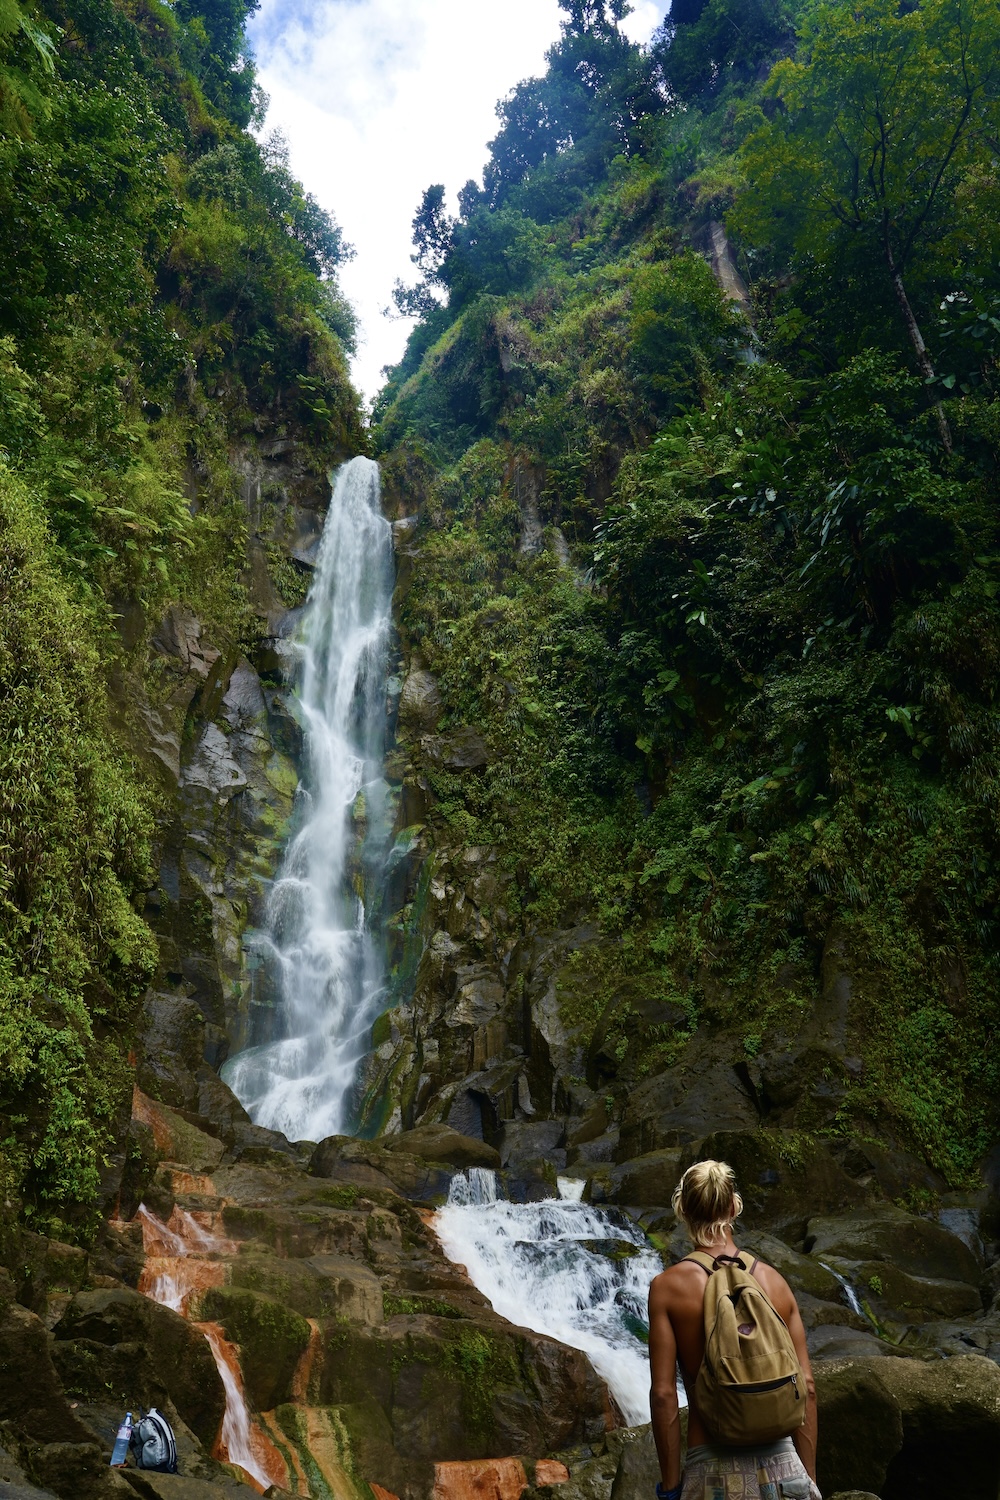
<point>706,1201</point>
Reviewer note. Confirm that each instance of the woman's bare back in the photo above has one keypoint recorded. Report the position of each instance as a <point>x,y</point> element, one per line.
<point>677,1295</point>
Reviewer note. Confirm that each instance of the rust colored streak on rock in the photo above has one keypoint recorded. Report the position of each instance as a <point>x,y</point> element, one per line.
<point>550,1471</point>
<point>210,1222</point>
<point>191,1182</point>
<point>486,1479</point>
<point>270,1424</point>
<point>306,1366</point>
<point>380,1493</point>
<point>242,1441</point>
<point>175,1281</point>
<point>145,1111</point>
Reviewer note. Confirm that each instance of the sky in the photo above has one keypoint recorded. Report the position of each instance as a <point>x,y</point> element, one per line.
<point>380,98</point>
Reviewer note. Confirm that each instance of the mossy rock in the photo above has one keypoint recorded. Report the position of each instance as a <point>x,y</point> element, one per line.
<point>784,1179</point>
<point>116,1342</point>
<point>887,1234</point>
<point>271,1337</point>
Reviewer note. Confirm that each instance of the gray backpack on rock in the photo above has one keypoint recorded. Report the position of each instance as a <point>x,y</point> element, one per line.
<point>153,1443</point>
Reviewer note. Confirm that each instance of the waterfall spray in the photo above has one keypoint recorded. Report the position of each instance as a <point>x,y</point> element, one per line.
<point>321,974</point>
<point>577,1273</point>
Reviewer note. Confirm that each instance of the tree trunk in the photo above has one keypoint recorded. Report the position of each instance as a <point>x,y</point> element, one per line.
<point>917,340</point>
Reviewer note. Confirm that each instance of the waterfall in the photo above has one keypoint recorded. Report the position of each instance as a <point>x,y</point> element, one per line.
<point>182,1262</point>
<point>561,1267</point>
<point>321,970</point>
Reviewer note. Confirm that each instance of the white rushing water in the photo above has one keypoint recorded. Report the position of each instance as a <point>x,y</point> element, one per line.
<point>321,969</point>
<point>555,1267</point>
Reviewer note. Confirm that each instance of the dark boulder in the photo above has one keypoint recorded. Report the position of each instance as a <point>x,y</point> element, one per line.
<point>439,1143</point>
<point>950,1412</point>
<point>649,1181</point>
<point>117,1342</point>
<point>461,749</point>
<point>860,1426</point>
<point>783,1182</point>
<point>700,1094</point>
<point>920,1247</point>
<point>909,1429</point>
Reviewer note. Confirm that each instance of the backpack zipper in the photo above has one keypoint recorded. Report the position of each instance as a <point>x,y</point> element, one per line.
<point>771,1385</point>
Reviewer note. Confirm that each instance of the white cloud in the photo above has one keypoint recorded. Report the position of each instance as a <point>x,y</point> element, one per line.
<point>380,98</point>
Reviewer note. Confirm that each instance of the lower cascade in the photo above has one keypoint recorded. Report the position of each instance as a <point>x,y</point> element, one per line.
<point>560,1267</point>
<point>321,971</point>
<point>182,1261</point>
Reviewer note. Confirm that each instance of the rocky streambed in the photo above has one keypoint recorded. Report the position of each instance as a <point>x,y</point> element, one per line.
<point>370,1364</point>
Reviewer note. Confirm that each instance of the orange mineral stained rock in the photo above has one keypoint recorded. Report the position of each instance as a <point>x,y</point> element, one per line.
<point>483,1479</point>
<point>148,1112</point>
<point>550,1471</point>
<point>183,1260</point>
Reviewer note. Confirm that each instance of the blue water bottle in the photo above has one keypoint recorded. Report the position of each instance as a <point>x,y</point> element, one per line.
<point>120,1451</point>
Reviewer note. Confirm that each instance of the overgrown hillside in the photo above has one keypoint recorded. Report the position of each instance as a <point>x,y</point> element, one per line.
<point>168,303</point>
<point>711,560</point>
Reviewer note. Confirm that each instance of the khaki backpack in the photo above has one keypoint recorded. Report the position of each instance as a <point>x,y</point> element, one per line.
<point>750,1388</point>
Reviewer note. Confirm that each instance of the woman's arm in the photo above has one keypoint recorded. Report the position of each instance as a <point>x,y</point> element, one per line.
<point>663,1404</point>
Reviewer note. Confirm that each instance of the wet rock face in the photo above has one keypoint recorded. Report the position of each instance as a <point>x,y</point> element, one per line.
<point>420,704</point>
<point>118,1340</point>
<point>507,1050</point>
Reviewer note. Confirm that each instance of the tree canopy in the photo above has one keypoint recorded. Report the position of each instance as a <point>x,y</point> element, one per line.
<point>885,119</point>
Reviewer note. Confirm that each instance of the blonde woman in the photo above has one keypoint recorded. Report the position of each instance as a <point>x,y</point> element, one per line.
<point>707,1203</point>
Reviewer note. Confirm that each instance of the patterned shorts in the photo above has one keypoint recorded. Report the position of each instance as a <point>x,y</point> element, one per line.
<point>737,1468</point>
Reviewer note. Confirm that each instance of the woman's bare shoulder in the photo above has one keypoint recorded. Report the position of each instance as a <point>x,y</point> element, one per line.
<point>775,1286</point>
<point>676,1278</point>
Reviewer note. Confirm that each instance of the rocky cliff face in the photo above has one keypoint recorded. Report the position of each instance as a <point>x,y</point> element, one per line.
<point>222,729</point>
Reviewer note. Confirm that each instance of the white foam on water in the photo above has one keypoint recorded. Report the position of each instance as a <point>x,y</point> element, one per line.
<point>319,965</point>
<point>544,1266</point>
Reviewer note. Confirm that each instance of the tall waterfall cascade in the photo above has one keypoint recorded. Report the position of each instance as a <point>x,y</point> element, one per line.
<point>563,1268</point>
<point>321,966</point>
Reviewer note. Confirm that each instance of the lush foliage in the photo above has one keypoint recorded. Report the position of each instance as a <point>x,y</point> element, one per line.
<point>165,285</point>
<point>719,578</point>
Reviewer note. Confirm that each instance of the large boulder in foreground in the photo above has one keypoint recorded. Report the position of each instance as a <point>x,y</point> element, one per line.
<point>117,1343</point>
<point>908,1429</point>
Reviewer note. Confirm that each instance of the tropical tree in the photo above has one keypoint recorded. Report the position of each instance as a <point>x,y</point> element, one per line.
<point>882,118</point>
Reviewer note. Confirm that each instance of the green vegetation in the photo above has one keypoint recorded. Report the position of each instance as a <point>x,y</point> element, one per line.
<point>717,578</point>
<point>411,1307</point>
<point>483,1365</point>
<point>167,291</point>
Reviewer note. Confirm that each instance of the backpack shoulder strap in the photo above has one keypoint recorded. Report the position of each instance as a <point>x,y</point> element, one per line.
<point>703,1259</point>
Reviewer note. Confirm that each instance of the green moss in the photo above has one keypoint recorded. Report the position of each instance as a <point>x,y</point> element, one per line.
<point>396,1306</point>
<point>345,1196</point>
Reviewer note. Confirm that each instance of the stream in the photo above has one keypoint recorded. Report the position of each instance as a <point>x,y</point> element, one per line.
<point>182,1262</point>
<point>560,1267</point>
